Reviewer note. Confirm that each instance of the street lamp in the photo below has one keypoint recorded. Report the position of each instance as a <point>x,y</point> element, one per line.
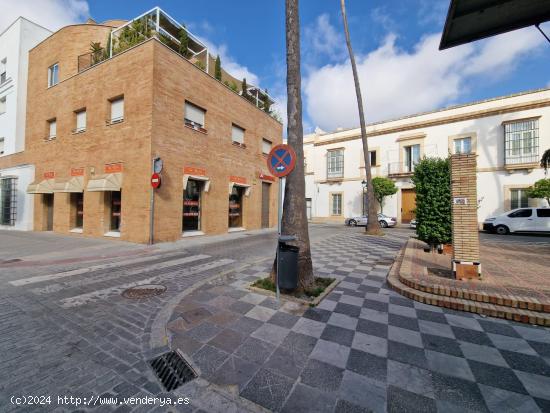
<point>364,185</point>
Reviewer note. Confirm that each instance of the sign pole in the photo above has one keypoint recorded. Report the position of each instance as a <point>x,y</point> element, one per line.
<point>152,208</point>
<point>279,227</point>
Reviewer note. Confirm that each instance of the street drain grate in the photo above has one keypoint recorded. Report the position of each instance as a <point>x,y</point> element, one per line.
<point>172,370</point>
<point>144,291</point>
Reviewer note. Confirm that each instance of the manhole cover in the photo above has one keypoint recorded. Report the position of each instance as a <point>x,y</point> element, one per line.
<point>144,291</point>
<point>172,370</point>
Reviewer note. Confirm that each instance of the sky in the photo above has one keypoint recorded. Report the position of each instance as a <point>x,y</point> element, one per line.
<point>395,42</point>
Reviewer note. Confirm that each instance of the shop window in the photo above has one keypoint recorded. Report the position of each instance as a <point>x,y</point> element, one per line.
<point>8,201</point>
<point>115,203</point>
<point>192,206</point>
<point>236,207</point>
<point>77,201</point>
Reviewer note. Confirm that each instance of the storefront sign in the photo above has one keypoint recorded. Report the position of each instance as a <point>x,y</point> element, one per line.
<point>190,170</point>
<point>112,168</point>
<point>49,175</point>
<point>77,171</point>
<point>237,179</point>
<point>264,177</point>
<point>155,181</point>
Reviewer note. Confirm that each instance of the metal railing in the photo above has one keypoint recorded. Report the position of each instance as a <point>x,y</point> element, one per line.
<point>521,159</point>
<point>400,168</point>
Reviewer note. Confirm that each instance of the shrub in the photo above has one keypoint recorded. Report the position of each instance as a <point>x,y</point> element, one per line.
<point>432,178</point>
<point>541,189</point>
<point>218,68</point>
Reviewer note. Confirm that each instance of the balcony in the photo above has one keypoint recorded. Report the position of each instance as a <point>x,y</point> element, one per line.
<point>400,169</point>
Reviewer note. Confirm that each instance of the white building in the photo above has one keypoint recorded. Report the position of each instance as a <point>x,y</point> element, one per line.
<point>15,42</point>
<point>509,134</point>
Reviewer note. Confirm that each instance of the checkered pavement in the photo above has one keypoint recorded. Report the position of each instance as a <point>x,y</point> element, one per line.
<point>364,348</point>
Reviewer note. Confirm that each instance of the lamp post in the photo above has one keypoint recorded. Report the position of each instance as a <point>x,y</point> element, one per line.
<point>364,186</point>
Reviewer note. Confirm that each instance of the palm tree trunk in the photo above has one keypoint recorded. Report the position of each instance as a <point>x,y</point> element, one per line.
<point>294,220</point>
<point>373,226</point>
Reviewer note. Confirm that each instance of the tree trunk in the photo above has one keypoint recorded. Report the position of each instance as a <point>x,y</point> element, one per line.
<point>294,220</point>
<point>373,226</point>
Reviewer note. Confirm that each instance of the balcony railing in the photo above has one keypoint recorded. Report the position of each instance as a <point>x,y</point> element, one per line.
<point>400,168</point>
<point>521,159</point>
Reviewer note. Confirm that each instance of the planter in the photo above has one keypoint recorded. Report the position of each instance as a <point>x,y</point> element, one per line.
<point>448,249</point>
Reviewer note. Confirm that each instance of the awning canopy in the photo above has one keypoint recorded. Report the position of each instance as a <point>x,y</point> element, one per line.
<point>470,20</point>
<point>74,184</point>
<point>45,186</point>
<point>247,188</point>
<point>107,182</point>
<point>205,179</point>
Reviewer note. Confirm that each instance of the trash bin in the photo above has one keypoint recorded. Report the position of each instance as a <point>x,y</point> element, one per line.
<point>287,261</point>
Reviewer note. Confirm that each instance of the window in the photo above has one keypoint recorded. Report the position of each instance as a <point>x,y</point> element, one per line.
<point>192,206</point>
<point>522,213</point>
<point>194,116</point>
<point>52,129</point>
<point>117,109</point>
<point>8,201</point>
<point>237,134</point>
<point>3,70</point>
<point>2,146</point>
<point>463,145</point>
<point>543,213</point>
<point>53,75</point>
<point>521,142</point>
<point>372,158</point>
<point>80,121</point>
<point>3,105</point>
<point>519,198</point>
<point>266,146</point>
<point>412,157</point>
<point>236,207</point>
<point>335,163</point>
<point>336,204</point>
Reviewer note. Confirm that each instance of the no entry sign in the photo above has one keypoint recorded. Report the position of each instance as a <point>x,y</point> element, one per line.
<point>281,160</point>
<point>155,180</point>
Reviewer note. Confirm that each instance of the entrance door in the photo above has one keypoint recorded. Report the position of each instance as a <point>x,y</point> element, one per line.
<point>236,207</point>
<point>48,206</point>
<point>265,204</point>
<point>408,204</point>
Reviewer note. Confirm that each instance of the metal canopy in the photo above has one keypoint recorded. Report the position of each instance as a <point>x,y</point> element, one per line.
<point>470,20</point>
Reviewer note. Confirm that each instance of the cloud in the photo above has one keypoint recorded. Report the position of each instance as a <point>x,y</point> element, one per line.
<point>381,16</point>
<point>432,12</point>
<point>398,82</point>
<point>322,40</point>
<point>52,14</point>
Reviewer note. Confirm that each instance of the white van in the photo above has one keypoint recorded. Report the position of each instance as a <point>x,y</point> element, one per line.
<point>519,220</point>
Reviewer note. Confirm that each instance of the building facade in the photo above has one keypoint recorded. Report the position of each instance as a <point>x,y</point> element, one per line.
<point>15,42</point>
<point>508,135</point>
<point>96,121</point>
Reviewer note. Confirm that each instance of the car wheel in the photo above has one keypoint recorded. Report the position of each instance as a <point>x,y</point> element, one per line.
<point>383,224</point>
<point>352,223</point>
<point>502,230</point>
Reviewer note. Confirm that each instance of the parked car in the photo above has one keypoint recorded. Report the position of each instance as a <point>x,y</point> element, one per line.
<point>385,221</point>
<point>519,220</point>
<point>413,223</point>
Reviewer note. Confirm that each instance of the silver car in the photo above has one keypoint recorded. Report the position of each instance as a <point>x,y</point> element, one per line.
<point>385,221</point>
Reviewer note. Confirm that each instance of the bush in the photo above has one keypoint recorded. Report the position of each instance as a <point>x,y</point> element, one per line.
<point>541,189</point>
<point>432,178</point>
<point>383,187</point>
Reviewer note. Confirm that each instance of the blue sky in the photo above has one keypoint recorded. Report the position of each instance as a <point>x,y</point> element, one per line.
<point>401,70</point>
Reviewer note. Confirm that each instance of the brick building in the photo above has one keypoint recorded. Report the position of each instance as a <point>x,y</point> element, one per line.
<point>97,119</point>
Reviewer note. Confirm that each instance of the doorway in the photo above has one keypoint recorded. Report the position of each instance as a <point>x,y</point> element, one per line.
<point>47,199</point>
<point>408,204</point>
<point>265,204</point>
<point>236,207</point>
<point>192,206</point>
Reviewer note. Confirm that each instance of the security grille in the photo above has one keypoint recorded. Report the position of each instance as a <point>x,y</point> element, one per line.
<point>521,144</point>
<point>172,370</point>
<point>8,201</point>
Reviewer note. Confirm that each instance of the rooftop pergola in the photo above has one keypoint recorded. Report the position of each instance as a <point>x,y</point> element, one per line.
<point>471,20</point>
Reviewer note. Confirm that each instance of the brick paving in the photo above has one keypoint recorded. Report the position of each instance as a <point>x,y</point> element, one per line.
<point>364,348</point>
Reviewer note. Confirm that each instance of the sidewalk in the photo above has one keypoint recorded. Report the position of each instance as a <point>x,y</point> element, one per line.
<point>364,348</point>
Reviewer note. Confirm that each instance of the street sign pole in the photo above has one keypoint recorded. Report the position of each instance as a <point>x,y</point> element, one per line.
<point>152,208</point>
<point>279,228</point>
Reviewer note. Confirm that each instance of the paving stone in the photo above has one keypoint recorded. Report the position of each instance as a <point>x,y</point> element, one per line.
<point>449,365</point>
<point>348,309</point>
<point>307,399</point>
<point>209,359</point>
<point>492,326</point>
<point>403,322</point>
<point>526,362</point>
<point>309,327</point>
<point>463,394</point>
<point>367,364</point>
<point>241,307</point>
<point>204,332</point>
<point>338,335</point>
<point>283,319</point>
<point>342,320</point>
<point>343,406</point>
<point>268,389</point>
<point>535,384</point>
<point>331,353</point>
<point>227,340</point>
<point>260,313</point>
<point>299,343</point>
<point>400,400</point>
<point>370,344</point>
<point>504,342</point>
<point>487,373</point>
<point>435,329</point>
<point>410,378</point>
<point>317,314</point>
<point>442,344</point>
<point>362,391</point>
<point>245,325</point>
<point>235,371</point>
<point>323,376</point>
<point>405,336</point>
<point>483,354</point>
<point>271,333</point>
<point>499,400</point>
<point>255,350</point>
<point>286,362</point>
<point>253,298</point>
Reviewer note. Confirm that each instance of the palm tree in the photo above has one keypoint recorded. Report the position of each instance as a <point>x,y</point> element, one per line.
<point>373,226</point>
<point>545,161</point>
<point>294,220</point>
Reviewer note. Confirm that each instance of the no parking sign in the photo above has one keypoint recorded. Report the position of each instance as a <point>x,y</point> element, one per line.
<point>281,160</point>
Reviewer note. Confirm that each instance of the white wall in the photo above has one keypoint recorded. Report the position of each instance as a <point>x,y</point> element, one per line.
<point>489,131</point>
<point>25,202</point>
